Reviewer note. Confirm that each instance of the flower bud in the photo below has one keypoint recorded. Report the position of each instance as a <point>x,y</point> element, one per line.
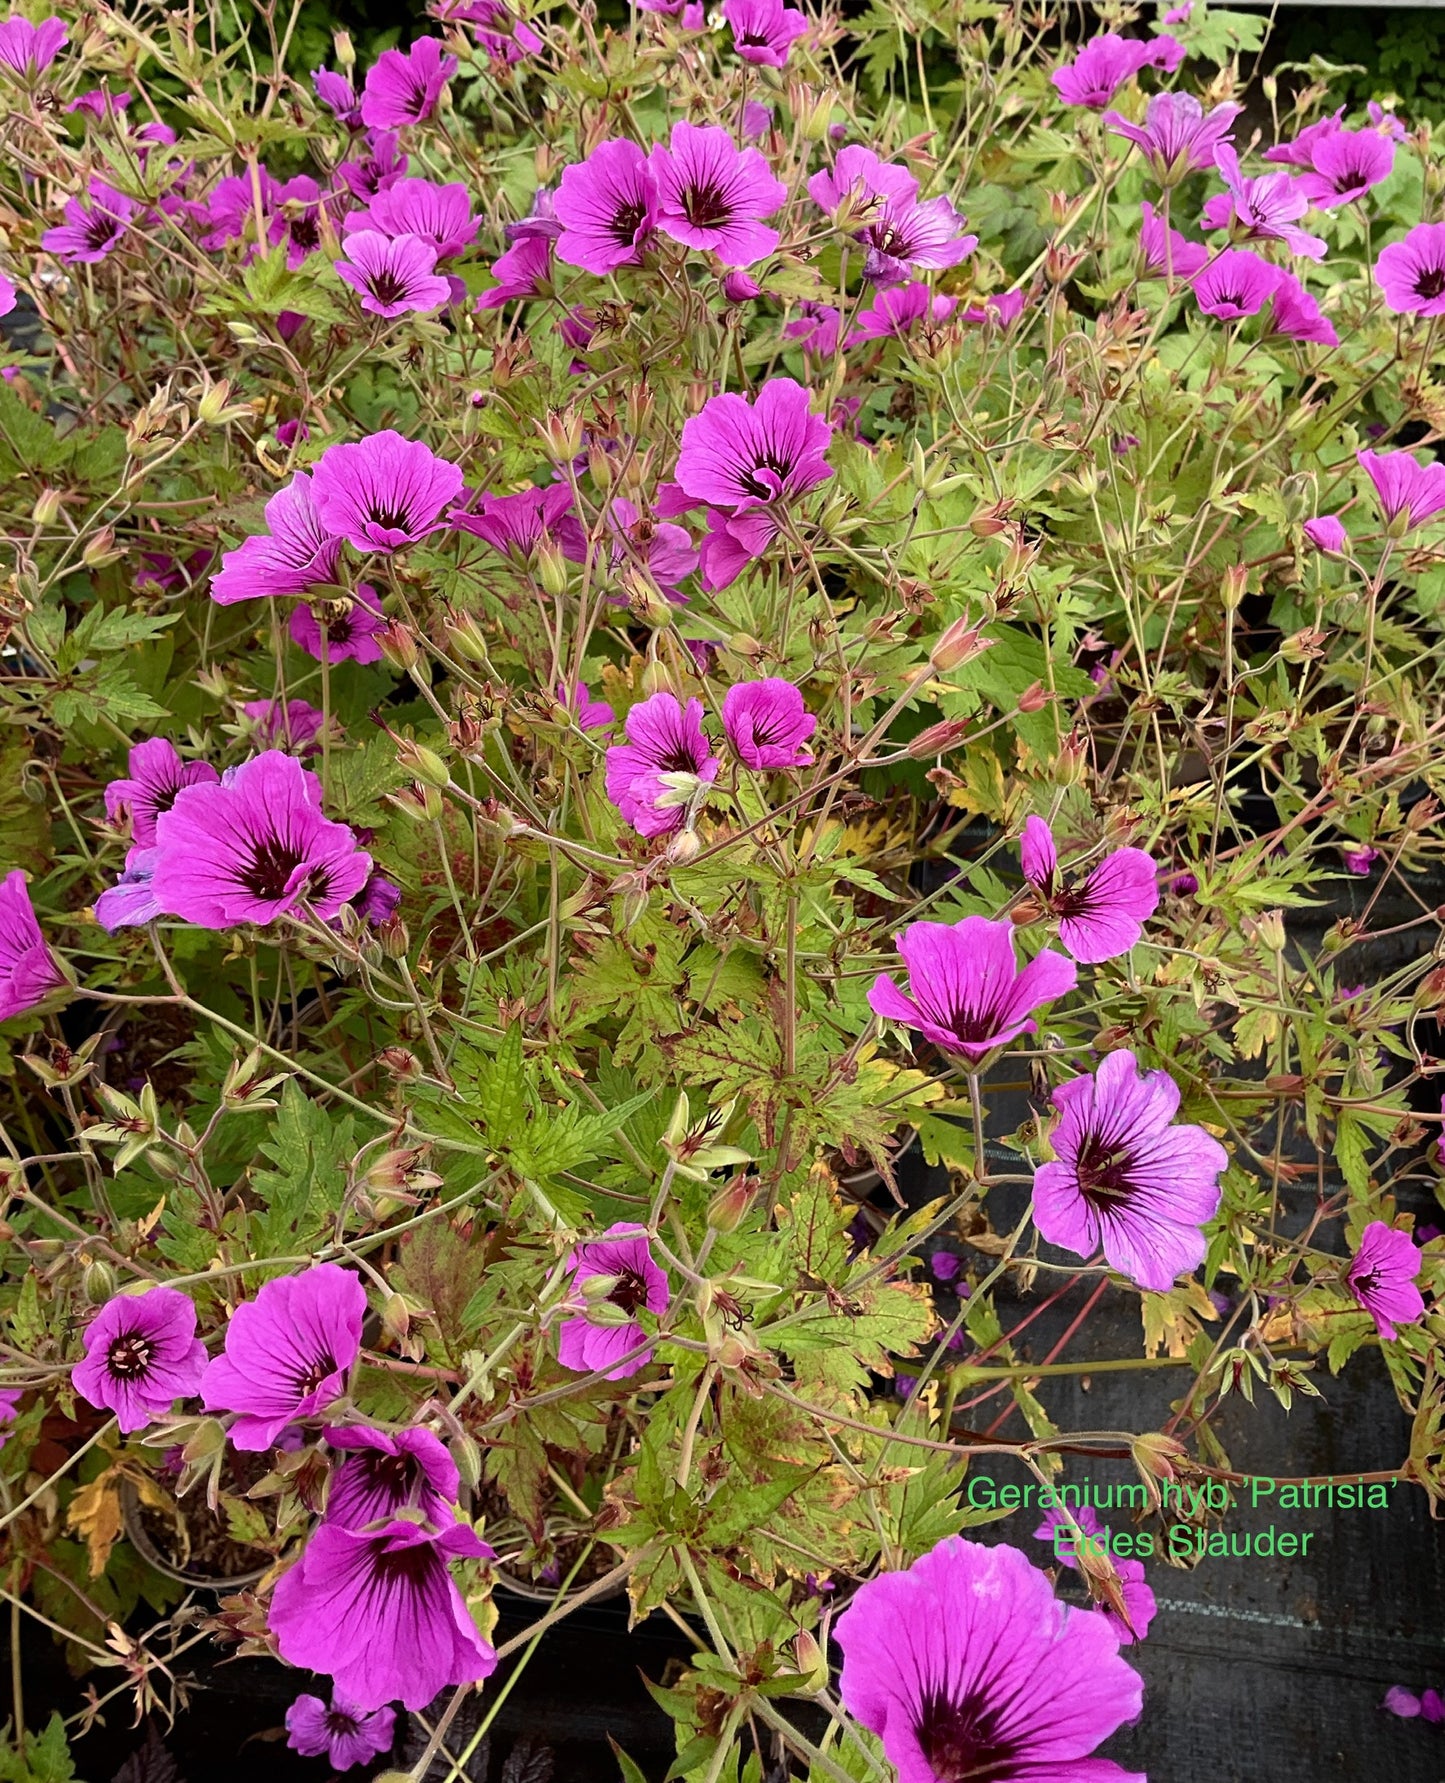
<point>423,804</point>
<point>1071,764</point>
<point>552,569</point>
<point>400,1062</point>
<point>685,846</point>
<point>47,507</point>
<point>811,1664</point>
<point>561,429</point>
<point>729,1207</point>
<point>425,764</point>
<point>959,644</point>
<point>1232,586</point>
<point>394,938</point>
<point>100,550</point>
<point>606,1315</point>
<point>1034,698</point>
<point>345,49</point>
<point>397,645</point>
<point>98,1282</point>
<point>466,1452</point>
<point>938,739</point>
<point>1270,929</point>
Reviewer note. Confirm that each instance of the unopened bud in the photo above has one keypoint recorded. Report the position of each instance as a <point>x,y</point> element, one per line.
<point>685,846</point>
<point>465,636</point>
<point>100,549</point>
<point>959,644</point>
<point>47,507</point>
<point>1232,586</point>
<point>466,1452</point>
<point>98,1282</point>
<point>1034,697</point>
<point>561,429</point>
<point>811,1664</point>
<point>938,739</point>
<point>552,569</point>
<point>729,1207</point>
<point>425,764</point>
<point>396,1317</point>
<point>419,802</point>
<point>345,49</point>
<point>394,939</point>
<point>1071,764</point>
<point>1270,929</point>
<point>398,645</point>
<point>400,1063</point>
<point>607,1316</point>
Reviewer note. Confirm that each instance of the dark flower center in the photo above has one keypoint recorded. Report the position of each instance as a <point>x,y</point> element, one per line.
<point>306,231</point>
<point>340,1726</point>
<point>415,1568</point>
<point>626,221</point>
<point>960,1744</point>
<point>1103,1172</point>
<point>417,98</point>
<point>630,1292</point>
<point>310,1379</point>
<point>1350,179</point>
<point>755,486</point>
<point>678,760</point>
<point>889,240</point>
<point>1431,282</point>
<point>1367,1284</point>
<point>755,39</point>
<point>394,519</point>
<point>387,286</point>
<point>100,230</point>
<point>706,206</point>
<point>270,868</point>
<point>130,1356</point>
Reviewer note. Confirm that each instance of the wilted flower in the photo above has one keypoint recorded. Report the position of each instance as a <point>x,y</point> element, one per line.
<point>621,1263</point>
<point>767,724</point>
<point>764,30</point>
<point>157,774</point>
<point>1359,860</point>
<point>141,1355</point>
<point>1410,493</point>
<point>713,195</point>
<point>343,1734</point>
<point>1103,916</point>
<point>1411,273</point>
<point>380,1614</point>
<point>1126,1178</point>
<point>297,552</point>
<point>350,631</point>
<point>966,992</point>
<point>1382,1276</point>
<point>253,846</point>
<point>403,86</point>
<point>650,777</point>
<point>393,275</point>
<point>29,971</point>
<point>383,492</point>
<point>287,1355</point>
<point>607,206</point>
<point>967,1666</point>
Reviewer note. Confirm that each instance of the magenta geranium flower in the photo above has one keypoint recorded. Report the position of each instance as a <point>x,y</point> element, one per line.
<point>98,103</point>
<point>1235,283</point>
<point>1382,1276</point>
<point>293,725</point>
<point>29,971</point>
<point>141,1355</point>
<point>1344,165</point>
<point>653,775</point>
<point>253,847</point>
<point>1299,152</point>
<point>524,271</point>
<point>1428,1706</point>
<point>1126,1178</point>
<point>343,1734</point>
<point>740,454</point>
<point>515,525</point>
<point>1140,1606</point>
<point>156,775</point>
<point>380,168</point>
<point>713,195</point>
<point>901,235</point>
<point>966,992</point>
<point>607,206</point>
<point>1265,207</point>
<point>393,275</point>
<point>1327,533</point>
<point>767,724</point>
<point>1410,493</point>
<point>1101,67</point>
<point>621,1255</point>
<point>383,492</point>
<point>300,219</point>
<point>1295,314</point>
<point>10,1398</point>
<point>8,295</point>
<point>339,96</point>
<point>1166,250</point>
<point>815,327</point>
<point>384,1475</point>
<point>1000,309</point>
<point>967,1666</point>
<point>1103,915</point>
<point>505,37</point>
<point>591,715</point>
<point>90,230</point>
<point>403,86</point>
<point>380,1614</point>
<point>297,552</point>
<point>859,178</point>
<point>1178,136</point>
<point>131,899</point>
<point>764,30</point>
<point>28,49</point>
<point>440,215</point>
<point>1411,273</point>
<point>666,551</point>
<point>287,1354</point>
<point>349,636</point>
<point>895,311</point>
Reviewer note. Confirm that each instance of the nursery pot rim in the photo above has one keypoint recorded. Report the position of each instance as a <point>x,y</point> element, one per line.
<point>136,1534</point>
